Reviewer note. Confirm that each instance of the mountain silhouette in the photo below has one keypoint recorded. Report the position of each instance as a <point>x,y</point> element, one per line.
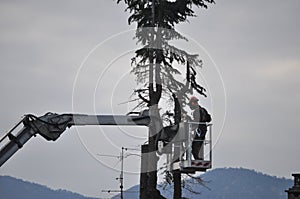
<point>12,188</point>
<point>227,183</point>
<point>221,183</point>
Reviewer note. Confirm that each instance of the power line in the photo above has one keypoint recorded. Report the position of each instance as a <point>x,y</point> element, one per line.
<point>121,178</point>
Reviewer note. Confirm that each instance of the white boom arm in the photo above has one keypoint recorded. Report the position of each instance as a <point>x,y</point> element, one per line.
<point>52,125</point>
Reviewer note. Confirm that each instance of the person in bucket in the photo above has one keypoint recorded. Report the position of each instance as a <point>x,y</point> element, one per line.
<point>200,115</point>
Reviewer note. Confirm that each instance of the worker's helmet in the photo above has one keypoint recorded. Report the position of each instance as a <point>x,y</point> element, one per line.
<point>193,99</point>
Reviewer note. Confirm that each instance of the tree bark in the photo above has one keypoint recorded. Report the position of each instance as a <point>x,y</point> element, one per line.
<point>154,127</point>
<point>177,173</point>
<point>143,174</point>
<point>177,185</point>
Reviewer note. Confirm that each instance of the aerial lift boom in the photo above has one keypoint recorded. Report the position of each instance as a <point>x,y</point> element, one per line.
<point>52,125</point>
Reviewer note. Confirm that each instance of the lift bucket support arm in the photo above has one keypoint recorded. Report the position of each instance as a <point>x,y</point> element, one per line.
<point>52,125</point>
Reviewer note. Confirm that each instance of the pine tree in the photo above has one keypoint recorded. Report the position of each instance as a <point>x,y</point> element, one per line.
<point>157,65</point>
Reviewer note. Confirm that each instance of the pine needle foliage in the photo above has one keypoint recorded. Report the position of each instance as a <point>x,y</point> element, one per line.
<point>158,64</point>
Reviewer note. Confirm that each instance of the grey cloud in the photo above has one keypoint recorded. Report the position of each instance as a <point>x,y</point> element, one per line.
<point>255,45</point>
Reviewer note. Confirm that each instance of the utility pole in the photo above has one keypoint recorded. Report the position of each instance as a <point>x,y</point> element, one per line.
<point>122,172</point>
<point>121,178</point>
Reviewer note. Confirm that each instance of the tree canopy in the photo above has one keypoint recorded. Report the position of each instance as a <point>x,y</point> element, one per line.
<point>158,64</point>
<point>158,67</point>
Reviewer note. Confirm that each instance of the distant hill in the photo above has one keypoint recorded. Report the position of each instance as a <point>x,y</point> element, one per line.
<point>225,183</point>
<point>229,183</point>
<point>12,188</point>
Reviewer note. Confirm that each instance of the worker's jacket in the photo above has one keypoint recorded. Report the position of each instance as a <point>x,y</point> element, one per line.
<point>200,114</point>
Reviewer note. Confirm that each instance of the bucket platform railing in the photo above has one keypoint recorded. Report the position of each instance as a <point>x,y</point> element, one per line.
<point>180,149</point>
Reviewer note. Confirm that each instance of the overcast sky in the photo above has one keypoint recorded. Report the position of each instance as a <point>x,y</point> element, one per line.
<point>74,56</point>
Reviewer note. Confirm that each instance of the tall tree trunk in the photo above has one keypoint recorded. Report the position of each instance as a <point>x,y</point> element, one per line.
<point>143,173</point>
<point>156,123</point>
<point>154,127</point>
<point>177,185</point>
<point>177,173</point>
